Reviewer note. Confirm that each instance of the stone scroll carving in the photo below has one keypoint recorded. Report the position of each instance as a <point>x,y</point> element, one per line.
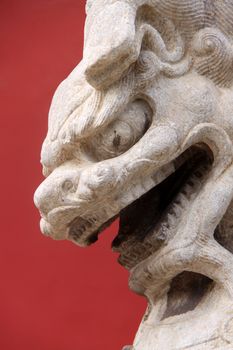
<point>142,129</point>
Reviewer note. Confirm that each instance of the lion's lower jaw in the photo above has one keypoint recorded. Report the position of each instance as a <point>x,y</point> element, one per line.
<point>195,330</point>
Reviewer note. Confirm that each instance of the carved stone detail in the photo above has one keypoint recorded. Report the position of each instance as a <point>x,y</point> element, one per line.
<point>142,129</point>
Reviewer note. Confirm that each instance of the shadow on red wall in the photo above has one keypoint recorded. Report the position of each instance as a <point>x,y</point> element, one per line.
<point>53,295</point>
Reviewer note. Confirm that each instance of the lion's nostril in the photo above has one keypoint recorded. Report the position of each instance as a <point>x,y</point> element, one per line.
<point>68,186</point>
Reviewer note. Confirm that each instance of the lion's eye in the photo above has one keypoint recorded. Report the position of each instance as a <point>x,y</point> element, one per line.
<point>123,133</point>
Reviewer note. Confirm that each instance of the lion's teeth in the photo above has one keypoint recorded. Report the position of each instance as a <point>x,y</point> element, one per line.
<point>136,191</point>
<point>182,199</point>
<point>163,231</point>
<point>171,219</point>
<point>147,184</point>
<point>115,206</point>
<point>177,209</point>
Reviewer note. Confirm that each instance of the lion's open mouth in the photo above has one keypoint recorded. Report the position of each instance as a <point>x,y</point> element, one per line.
<point>148,222</point>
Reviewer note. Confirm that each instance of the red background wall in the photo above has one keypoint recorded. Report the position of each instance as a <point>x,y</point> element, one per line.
<point>53,295</point>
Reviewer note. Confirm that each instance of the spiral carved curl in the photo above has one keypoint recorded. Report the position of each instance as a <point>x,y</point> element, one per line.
<point>213,56</point>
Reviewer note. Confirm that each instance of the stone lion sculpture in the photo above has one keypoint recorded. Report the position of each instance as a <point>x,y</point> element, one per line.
<point>142,129</point>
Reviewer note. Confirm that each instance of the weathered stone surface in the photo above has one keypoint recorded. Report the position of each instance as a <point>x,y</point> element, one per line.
<point>142,129</point>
